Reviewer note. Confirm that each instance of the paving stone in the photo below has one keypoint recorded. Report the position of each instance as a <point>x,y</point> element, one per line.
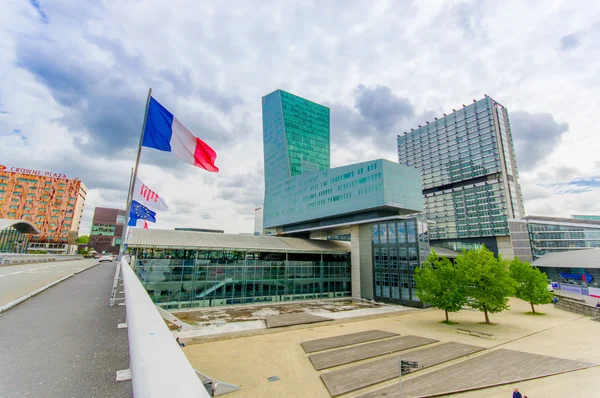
<point>346,355</point>
<point>344,340</point>
<point>278,321</point>
<point>345,380</point>
<point>496,368</point>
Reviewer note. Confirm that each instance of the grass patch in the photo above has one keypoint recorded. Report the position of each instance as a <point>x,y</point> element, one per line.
<point>534,313</point>
<point>449,323</point>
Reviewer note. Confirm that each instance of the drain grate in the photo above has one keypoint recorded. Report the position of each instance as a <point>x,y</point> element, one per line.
<point>273,378</point>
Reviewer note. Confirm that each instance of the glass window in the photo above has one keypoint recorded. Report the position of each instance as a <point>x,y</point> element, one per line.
<point>384,257</point>
<point>395,286</point>
<point>393,260</point>
<point>383,233</point>
<point>376,258</point>
<point>376,234</point>
<point>385,282</point>
<point>401,236</point>
<point>377,284</point>
<point>392,233</point>
<point>411,231</point>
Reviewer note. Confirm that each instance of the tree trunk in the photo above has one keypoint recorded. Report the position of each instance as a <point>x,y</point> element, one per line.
<point>447,321</point>
<point>532,309</point>
<point>487,318</point>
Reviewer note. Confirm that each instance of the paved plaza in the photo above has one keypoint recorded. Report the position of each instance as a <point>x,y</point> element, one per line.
<point>356,377</point>
<point>568,338</point>
<point>347,339</point>
<point>346,355</point>
<point>497,367</point>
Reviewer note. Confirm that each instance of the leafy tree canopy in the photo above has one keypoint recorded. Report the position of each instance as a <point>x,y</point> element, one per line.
<point>439,283</point>
<point>531,283</point>
<point>488,281</point>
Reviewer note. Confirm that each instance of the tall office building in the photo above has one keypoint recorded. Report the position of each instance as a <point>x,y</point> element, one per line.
<point>372,204</point>
<point>107,229</point>
<point>469,176</point>
<point>51,201</point>
<point>296,136</point>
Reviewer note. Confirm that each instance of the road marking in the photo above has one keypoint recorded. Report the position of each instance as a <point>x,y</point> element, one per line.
<point>18,272</point>
<point>2,275</point>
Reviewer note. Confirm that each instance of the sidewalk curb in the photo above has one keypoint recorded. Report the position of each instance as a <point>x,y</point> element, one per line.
<point>18,301</point>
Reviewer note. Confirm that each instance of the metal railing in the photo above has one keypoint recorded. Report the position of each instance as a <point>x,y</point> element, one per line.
<point>158,366</point>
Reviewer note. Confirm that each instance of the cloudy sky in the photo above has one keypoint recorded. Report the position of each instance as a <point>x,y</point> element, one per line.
<point>75,76</point>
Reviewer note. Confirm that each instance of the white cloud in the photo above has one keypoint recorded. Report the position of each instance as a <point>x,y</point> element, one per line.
<point>75,86</point>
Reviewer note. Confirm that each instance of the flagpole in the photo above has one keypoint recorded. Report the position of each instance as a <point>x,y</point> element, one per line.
<point>135,169</point>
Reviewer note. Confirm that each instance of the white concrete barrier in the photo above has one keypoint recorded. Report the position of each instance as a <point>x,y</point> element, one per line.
<point>158,366</point>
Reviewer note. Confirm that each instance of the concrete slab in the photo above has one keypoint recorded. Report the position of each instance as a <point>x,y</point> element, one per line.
<point>278,321</point>
<point>493,369</point>
<point>350,379</point>
<point>344,340</point>
<point>343,356</point>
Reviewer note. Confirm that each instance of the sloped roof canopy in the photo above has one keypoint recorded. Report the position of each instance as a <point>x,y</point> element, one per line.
<point>22,226</point>
<point>583,258</point>
<point>169,239</point>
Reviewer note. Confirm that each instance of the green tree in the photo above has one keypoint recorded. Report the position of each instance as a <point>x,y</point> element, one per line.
<point>83,239</point>
<point>440,284</point>
<point>531,283</point>
<point>488,281</point>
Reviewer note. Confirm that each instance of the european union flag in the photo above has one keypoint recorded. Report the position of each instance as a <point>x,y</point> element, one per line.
<point>140,212</point>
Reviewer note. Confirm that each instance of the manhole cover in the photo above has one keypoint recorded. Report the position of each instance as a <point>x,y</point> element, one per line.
<point>273,378</point>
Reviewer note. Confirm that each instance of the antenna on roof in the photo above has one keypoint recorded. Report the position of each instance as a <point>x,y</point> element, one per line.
<point>464,106</point>
<point>435,118</point>
<point>485,95</point>
<point>445,114</point>
<point>427,122</point>
<point>474,100</point>
<point>419,126</point>
<point>453,110</point>
<point>412,129</point>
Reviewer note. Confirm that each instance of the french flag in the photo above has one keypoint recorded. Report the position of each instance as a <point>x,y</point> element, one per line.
<point>164,132</point>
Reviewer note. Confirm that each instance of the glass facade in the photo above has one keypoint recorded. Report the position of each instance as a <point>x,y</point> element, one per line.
<point>399,247</point>
<point>469,171</point>
<point>13,241</point>
<point>547,238</point>
<point>295,136</point>
<point>533,237</point>
<point>178,278</point>
<point>343,190</point>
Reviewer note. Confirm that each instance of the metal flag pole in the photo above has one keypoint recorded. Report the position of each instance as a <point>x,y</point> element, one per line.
<point>135,171</point>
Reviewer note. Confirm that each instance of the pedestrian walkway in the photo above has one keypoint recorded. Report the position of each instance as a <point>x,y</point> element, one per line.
<point>64,342</point>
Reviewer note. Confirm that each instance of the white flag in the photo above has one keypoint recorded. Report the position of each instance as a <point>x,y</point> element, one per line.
<point>147,197</point>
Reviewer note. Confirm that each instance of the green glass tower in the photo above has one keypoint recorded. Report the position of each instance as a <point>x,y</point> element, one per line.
<point>295,136</point>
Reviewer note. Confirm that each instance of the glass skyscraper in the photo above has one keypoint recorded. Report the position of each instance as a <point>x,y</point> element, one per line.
<point>469,176</point>
<point>296,136</point>
<point>301,188</point>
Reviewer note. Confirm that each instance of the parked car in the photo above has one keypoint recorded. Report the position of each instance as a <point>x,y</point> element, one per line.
<point>106,257</point>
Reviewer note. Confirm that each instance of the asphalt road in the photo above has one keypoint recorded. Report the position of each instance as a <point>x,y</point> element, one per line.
<point>18,280</point>
<point>64,342</point>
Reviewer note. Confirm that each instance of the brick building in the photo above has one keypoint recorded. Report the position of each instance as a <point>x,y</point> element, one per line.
<point>50,201</point>
<point>107,229</point>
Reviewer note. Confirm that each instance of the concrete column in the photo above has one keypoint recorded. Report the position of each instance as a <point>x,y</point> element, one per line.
<point>362,261</point>
<point>505,247</point>
<point>355,260</point>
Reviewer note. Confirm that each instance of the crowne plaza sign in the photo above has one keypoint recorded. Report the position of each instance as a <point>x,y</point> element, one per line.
<point>40,173</point>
